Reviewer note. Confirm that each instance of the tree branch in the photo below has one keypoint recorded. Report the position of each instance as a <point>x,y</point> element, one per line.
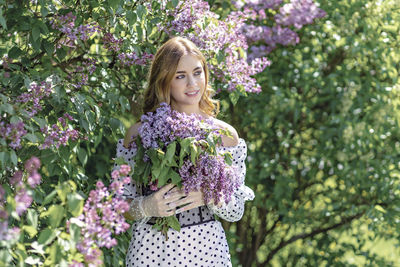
<point>311,234</point>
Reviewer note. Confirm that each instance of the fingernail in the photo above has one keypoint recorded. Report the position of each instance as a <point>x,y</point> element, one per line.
<point>166,196</point>
<point>179,211</point>
<point>172,205</point>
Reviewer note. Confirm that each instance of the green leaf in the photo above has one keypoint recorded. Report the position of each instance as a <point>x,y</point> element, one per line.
<point>7,108</point>
<point>139,32</point>
<point>36,43</point>
<point>75,232</point>
<point>56,214</point>
<point>234,97</point>
<point>13,157</point>
<point>141,11</point>
<point>46,236</point>
<point>82,156</point>
<point>15,52</point>
<point>32,217</point>
<point>113,3</point>
<point>2,20</point>
<point>61,53</point>
<point>30,230</point>
<point>173,222</point>
<point>49,197</point>
<point>131,17</point>
<point>175,177</point>
<point>55,254</point>
<point>35,32</point>
<point>228,158</point>
<point>75,204</point>
<point>124,103</point>
<point>44,11</point>
<point>171,148</point>
<point>31,137</point>
<point>48,47</point>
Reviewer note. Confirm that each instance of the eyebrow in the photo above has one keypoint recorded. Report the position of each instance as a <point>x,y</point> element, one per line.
<point>182,71</point>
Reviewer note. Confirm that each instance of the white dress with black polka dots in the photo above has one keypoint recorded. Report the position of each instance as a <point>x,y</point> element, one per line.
<point>203,242</point>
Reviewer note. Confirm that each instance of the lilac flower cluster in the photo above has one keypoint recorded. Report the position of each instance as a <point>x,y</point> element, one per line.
<point>166,125</point>
<point>258,4</point>
<point>129,59</point>
<point>80,73</point>
<point>66,25</point>
<point>13,132</point>
<point>186,14</point>
<point>103,216</point>
<point>112,44</point>
<point>210,175</point>
<point>22,196</point>
<point>297,13</point>
<point>36,92</point>
<point>57,135</point>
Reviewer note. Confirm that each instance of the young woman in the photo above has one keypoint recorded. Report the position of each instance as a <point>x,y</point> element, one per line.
<point>179,77</point>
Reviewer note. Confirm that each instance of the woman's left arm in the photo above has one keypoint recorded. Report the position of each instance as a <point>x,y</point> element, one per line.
<point>233,210</point>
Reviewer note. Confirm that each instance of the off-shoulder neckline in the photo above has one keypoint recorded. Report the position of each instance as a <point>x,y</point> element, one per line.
<point>240,141</point>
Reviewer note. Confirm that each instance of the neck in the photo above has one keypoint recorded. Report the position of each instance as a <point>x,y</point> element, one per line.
<point>189,109</point>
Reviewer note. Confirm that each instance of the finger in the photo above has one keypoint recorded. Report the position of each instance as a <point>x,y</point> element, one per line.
<point>175,190</point>
<point>185,201</point>
<point>169,199</point>
<point>169,213</point>
<point>165,188</point>
<point>175,195</point>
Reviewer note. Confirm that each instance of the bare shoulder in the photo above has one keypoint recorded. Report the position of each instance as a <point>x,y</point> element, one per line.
<point>232,140</point>
<point>131,133</point>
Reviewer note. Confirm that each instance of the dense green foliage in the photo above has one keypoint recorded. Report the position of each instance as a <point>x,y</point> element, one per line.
<point>323,139</point>
<point>322,135</point>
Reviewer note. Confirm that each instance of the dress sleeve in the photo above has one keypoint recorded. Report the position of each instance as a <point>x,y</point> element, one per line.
<point>128,154</point>
<point>233,210</point>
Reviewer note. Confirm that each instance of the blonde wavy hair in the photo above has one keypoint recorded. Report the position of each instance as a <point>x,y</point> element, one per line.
<point>163,69</point>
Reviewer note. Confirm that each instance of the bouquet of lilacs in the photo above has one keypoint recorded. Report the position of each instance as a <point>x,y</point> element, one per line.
<point>181,149</point>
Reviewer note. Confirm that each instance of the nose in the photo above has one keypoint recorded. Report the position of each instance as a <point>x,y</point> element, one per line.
<point>190,81</point>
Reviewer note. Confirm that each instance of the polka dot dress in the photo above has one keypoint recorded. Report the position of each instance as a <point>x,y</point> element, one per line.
<point>201,244</point>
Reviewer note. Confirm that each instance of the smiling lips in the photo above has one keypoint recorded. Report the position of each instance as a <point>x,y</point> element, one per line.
<point>192,93</point>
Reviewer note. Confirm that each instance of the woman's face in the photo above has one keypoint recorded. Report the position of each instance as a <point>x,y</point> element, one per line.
<point>188,84</point>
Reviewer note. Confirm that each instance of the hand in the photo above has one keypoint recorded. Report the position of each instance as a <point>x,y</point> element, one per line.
<point>189,201</point>
<point>156,205</point>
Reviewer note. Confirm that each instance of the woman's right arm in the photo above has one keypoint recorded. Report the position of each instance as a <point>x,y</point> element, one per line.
<point>142,207</point>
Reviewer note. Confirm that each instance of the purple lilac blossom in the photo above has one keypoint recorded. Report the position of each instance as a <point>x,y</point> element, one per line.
<point>103,216</point>
<point>13,132</point>
<point>298,13</point>
<point>166,125</point>
<point>66,25</point>
<point>211,174</point>
<point>23,200</point>
<point>129,59</point>
<point>57,135</point>
<point>36,92</point>
<point>112,44</point>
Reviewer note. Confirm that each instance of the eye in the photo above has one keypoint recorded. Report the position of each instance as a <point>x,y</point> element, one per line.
<point>197,73</point>
<point>180,77</point>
